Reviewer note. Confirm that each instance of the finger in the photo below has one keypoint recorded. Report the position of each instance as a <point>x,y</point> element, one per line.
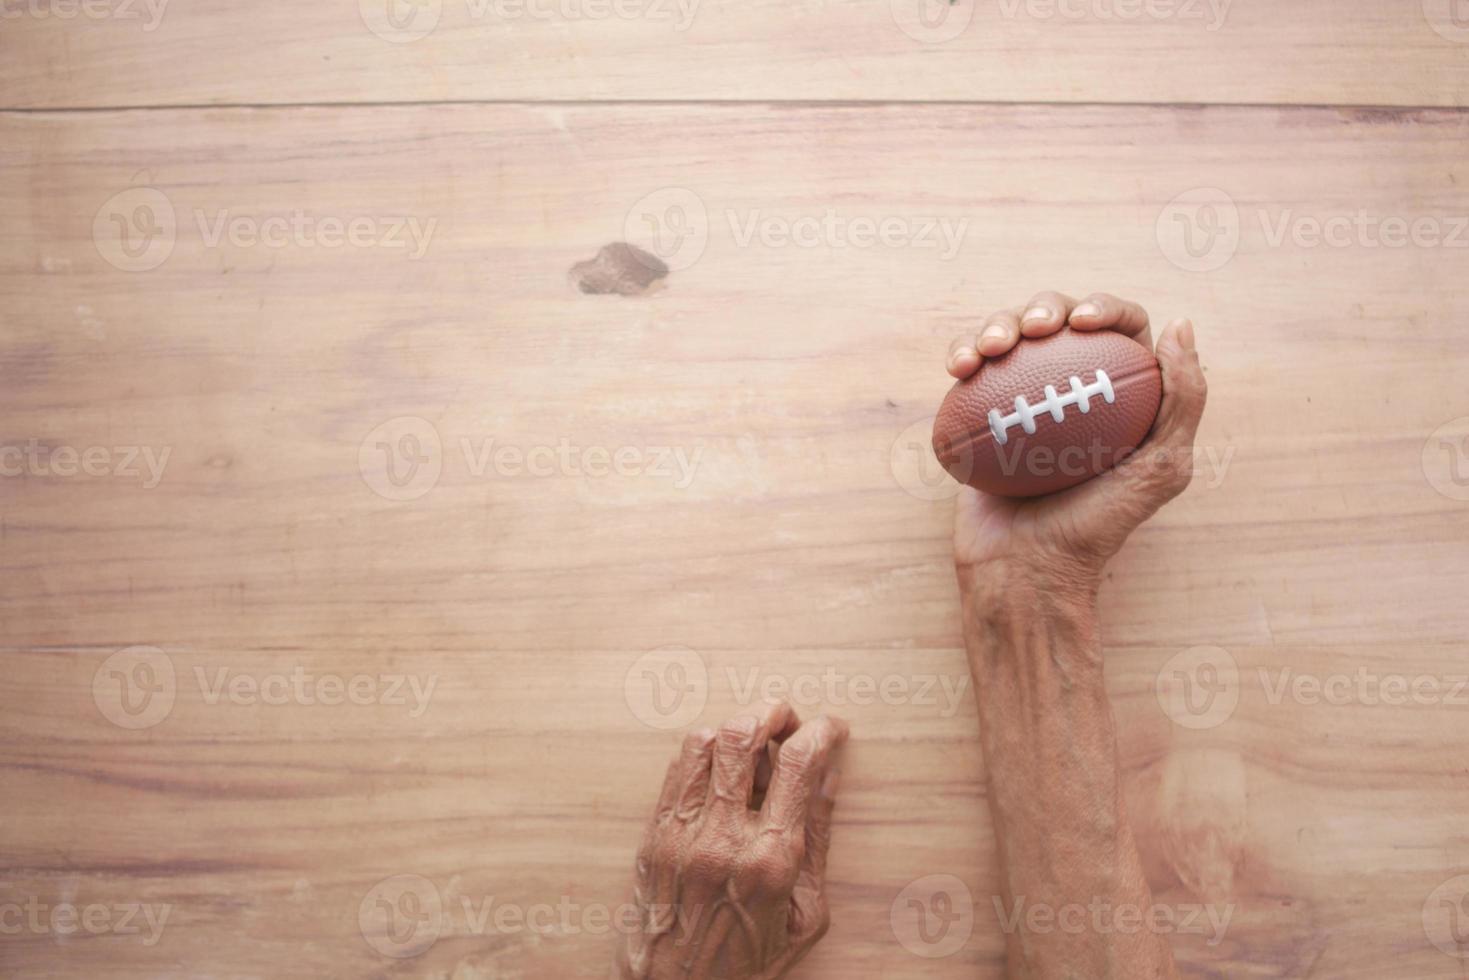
<point>1001,331</point>
<point>1103,311</point>
<point>737,750</point>
<point>964,357</point>
<point>764,769</point>
<point>694,766</point>
<point>810,915</point>
<point>667,800</point>
<point>668,795</point>
<point>818,829</point>
<point>1163,465</point>
<point>1045,313</point>
<point>805,760</point>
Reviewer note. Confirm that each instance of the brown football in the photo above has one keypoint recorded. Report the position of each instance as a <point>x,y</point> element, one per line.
<point>1051,413</point>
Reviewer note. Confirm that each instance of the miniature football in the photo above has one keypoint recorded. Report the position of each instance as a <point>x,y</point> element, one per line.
<point>1053,412</point>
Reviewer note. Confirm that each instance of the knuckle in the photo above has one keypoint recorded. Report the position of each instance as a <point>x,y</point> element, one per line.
<point>664,852</point>
<point>775,712</point>
<point>738,732</point>
<point>788,848</point>
<point>695,742</point>
<point>812,914</point>
<point>832,730</point>
<point>821,920</point>
<point>1164,470</point>
<point>797,852</point>
<point>708,861</point>
<point>818,835</point>
<point>773,874</point>
<point>796,757</point>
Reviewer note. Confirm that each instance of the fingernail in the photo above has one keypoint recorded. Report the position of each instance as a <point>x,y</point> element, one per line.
<point>1087,309</point>
<point>1036,313</point>
<point>1186,335</point>
<point>830,783</point>
<point>994,332</point>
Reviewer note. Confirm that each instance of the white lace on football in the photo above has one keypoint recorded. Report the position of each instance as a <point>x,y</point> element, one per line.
<point>1025,413</point>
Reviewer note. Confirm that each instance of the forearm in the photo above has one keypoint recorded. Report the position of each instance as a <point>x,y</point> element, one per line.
<point>1074,902</point>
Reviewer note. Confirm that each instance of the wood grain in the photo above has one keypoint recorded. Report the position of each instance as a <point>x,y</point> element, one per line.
<point>157,52</point>
<point>794,376</point>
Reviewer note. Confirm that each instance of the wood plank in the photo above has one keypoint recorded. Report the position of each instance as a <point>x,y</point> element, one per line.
<point>282,819</point>
<point>151,52</point>
<point>794,375</point>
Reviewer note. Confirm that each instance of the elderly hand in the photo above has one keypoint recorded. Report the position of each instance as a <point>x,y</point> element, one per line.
<point>730,875</point>
<point>1074,532</point>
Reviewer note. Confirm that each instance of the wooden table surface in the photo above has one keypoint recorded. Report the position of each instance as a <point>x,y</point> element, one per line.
<point>358,573</point>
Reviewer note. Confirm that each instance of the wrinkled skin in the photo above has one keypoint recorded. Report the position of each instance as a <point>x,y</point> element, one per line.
<point>728,889</point>
<point>1078,529</point>
<point>1028,574</point>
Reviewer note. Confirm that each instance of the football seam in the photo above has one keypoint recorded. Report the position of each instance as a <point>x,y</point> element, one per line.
<point>983,434</point>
